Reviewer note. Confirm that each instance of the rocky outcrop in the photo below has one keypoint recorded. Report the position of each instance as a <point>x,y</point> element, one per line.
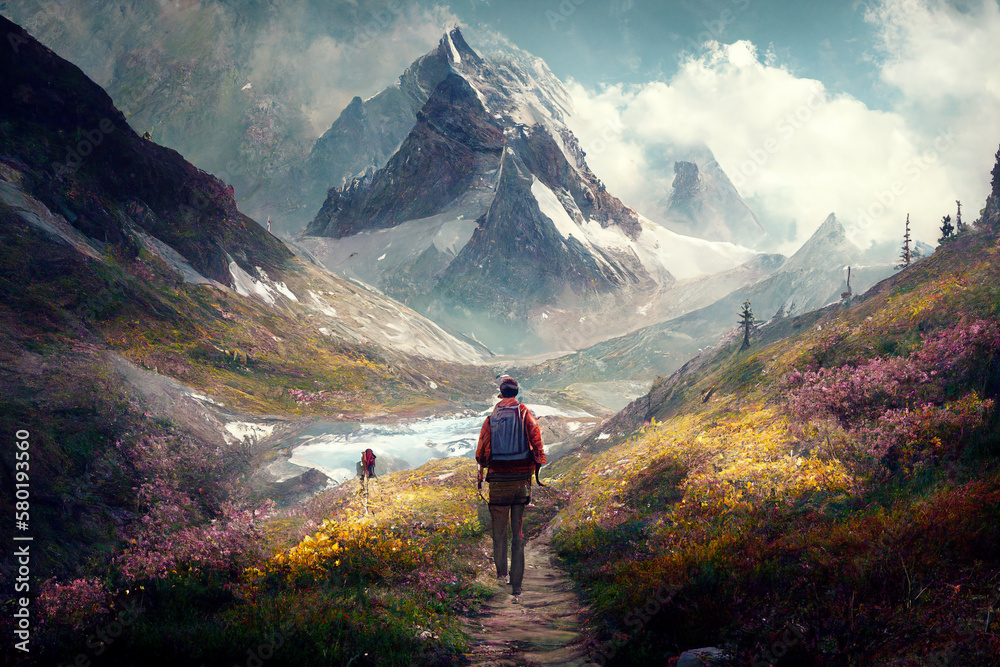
<point>687,187</point>
<point>991,214</point>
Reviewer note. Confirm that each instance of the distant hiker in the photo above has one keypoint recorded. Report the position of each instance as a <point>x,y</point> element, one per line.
<point>510,446</point>
<point>366,466</point>
<point>269,223</point>
<point>366,470</point>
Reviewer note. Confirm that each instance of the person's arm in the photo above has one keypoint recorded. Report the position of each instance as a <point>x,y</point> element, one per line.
<point>534,433</point>
<point>483,449</point>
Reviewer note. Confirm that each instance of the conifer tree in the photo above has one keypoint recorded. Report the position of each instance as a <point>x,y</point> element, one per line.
<point>946,229</point>
<point>960,226</point>
<point>906,255</point>
<point>748,323</point>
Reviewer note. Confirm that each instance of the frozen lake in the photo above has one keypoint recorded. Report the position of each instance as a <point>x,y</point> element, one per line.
<point>335,447</point>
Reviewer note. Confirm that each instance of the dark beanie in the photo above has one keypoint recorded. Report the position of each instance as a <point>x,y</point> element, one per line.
<point>508,386</point>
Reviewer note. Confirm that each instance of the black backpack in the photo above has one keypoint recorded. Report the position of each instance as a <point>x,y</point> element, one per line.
<point>508,439</point>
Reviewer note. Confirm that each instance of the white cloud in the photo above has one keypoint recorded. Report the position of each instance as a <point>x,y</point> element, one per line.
<point>798,151</point>
<point>945,61</point>
<point>328,71</point>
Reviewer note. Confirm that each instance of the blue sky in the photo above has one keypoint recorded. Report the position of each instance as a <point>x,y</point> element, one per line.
<point>595,41</point>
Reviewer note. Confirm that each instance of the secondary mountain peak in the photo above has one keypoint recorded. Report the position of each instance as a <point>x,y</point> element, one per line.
<point>827,246</point>
<point>459,48</point>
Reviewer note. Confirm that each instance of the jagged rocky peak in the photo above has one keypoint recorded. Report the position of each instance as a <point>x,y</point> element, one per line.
<point>353,109</point>
<point>452,153</point>
<point>703,202</point>
<point>459,49</point>
<point>687,183</point>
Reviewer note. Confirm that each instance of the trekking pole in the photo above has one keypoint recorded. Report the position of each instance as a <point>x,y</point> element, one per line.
<point>480,485</point>
<point>370,510</point>
<point>537,468</point>
<point>364,493</point>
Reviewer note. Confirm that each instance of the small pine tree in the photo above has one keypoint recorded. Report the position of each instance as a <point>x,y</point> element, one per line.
<point>747,323</point>
<point>960,227</point>
<point>906,255</point>
<point>946,229</point>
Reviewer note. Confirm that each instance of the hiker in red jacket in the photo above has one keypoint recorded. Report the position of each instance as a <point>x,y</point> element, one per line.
<point>510,446</point>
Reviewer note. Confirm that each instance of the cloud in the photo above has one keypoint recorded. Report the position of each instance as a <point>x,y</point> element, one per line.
<point>944,59</point>
<point>797,150</point>
<point>327,69</point>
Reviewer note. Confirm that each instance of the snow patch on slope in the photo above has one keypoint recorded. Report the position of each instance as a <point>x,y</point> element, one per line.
<point>239,431</point>
<point>37,214</point>
<point>247,285</point>
<point>686,256</point>
<point>455,57</point>
<point>662,252</point>
<point>283,289</point>
<point>172,258</point>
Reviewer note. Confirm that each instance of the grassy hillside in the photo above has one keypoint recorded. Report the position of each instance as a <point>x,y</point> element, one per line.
<point>830,496</point>
<point>324,583</point>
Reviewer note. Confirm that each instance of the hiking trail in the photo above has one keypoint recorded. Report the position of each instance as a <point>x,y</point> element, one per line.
<point>542,630</point>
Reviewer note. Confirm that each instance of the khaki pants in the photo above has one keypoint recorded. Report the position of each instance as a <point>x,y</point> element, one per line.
<point>507,503</point>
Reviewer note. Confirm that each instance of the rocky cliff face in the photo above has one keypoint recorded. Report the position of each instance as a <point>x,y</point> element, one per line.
<point>365,135</point>
<point>687,188</point>
<point>209,82</point>
<point>453,146</point>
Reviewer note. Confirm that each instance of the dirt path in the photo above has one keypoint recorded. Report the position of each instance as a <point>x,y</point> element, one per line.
<point>542,630</point>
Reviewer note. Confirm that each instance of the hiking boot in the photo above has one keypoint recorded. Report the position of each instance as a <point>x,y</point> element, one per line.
<point>516,599</point>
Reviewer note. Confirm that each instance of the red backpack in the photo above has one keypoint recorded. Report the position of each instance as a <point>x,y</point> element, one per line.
<point>368,463</point>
